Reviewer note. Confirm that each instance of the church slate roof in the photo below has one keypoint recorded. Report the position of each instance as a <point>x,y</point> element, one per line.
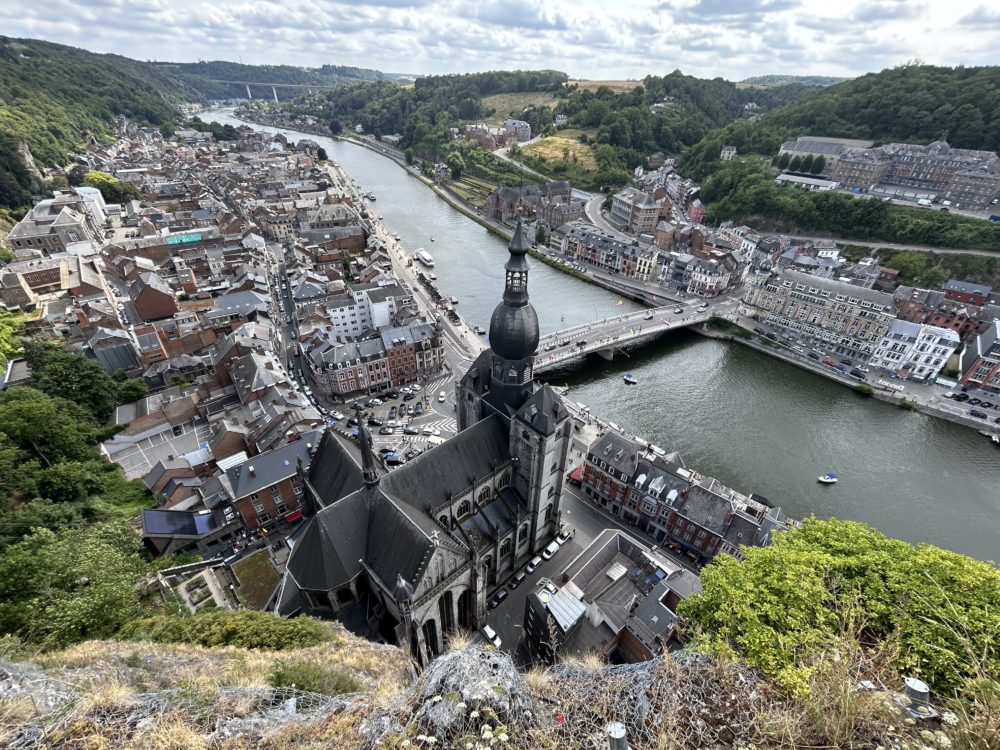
<point>340,475</point>
<point>543,410</point>
<point>449,469</point>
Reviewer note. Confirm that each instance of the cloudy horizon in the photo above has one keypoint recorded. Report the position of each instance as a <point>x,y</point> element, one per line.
<point>734,39</point>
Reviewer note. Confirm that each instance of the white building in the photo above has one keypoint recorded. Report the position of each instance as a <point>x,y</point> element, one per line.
<point>519,129</point>
<point>916,350</point>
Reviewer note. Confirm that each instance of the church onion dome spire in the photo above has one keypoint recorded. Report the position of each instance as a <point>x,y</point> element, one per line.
<point>514,325</point>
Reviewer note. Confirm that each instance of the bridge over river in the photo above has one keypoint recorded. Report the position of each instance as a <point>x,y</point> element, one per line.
<point>605,336</point>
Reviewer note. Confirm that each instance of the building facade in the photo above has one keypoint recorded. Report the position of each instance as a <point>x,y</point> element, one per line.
<point>843,319</point>
<point>914,350</point>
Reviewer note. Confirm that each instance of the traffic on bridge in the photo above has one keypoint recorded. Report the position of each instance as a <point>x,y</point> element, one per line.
<point>604,336</point>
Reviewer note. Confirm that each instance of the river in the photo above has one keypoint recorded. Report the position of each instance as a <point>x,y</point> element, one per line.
<point>756,423</point>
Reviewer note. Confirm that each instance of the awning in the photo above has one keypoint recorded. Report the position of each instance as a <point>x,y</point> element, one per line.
<point>577,475</point>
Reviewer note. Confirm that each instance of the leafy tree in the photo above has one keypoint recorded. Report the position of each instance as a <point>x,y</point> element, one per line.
<point>807,163</point>
<point>112,190</point>
<point>49,428</point>
<point>61,588</point>
<point>455,163</point>
<point>79,379</point>
<point>540,235</point>
<point>409,155</point>
<point>819,164</point>
<point>336,127</point>
<point>321,154</point>
<point>131,390</point>
<point>786,603</point>
<point>783,160</point>
<point>795,164</point>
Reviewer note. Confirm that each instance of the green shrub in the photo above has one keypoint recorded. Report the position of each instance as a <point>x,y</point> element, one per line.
<point>312,677</point>
<point>244,629</point>
<point>864,389</point>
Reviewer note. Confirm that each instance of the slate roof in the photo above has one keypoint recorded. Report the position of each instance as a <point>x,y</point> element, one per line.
<point>543,410</point>
<point>271,467</point>
<point>335,473</point>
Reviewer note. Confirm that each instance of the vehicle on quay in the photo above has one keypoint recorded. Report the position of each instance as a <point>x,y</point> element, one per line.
<point>491,635</point>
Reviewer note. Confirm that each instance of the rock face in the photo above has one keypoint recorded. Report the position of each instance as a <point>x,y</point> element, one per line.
<point>462,696</point>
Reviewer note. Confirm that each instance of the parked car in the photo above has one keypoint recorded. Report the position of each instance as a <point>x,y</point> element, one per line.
<point>564,536</point>
<point>974,402</point>
<point>352,422</point>
<point>417,409</point>
<point>813,355</point>
<point>533,565</point>
<point>549,552</point>
<point>977,414</point>
<point>392,413</point>
<point>679,310</point>
<point>374,422</point>
<point>408,397</point>
<point>517,579</point>
<point>387,430</point>
<point>415,387</point>
<point>961,397</point>
<point>394,459</point>
<point>428,430</point>
<point>491,635</point>
<point>498,597</point>
<point>336,415</point>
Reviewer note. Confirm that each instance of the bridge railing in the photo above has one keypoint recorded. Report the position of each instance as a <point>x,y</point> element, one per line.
<point>625,317</point>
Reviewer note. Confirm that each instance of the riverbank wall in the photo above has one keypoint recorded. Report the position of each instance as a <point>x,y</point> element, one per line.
<point>900,399</point>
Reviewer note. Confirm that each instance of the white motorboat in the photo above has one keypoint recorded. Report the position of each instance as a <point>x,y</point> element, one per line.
<point>828,478</point>
<point>630,379</point>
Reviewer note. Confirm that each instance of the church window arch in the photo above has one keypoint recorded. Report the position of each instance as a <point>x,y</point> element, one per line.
<point>505,547</point>
<point>522,534</point>
<point>464,508</point>
<point>484,495</point>
<point>444,521</point>
<point>504,480</point>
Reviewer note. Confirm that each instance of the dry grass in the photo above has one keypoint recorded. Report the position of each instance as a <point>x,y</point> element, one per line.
<point>257,579</point>
<point>505,105</point>
<point>558,149</point>
<point>619,87</point>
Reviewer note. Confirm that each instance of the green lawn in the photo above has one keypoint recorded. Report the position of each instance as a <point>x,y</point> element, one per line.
<point>257,580</point>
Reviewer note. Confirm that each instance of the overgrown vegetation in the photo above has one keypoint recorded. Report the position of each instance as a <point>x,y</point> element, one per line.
<point>745,191</point>
<point>312,676</point>
<point>243,629</point>
<point>787,604</point>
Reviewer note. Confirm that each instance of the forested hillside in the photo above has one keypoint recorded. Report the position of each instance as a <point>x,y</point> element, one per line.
<point>909,103</point>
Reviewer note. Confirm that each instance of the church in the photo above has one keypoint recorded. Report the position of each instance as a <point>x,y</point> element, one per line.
<point>416,553</point>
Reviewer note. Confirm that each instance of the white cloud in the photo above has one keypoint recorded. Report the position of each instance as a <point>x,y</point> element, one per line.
<point>585,38</point>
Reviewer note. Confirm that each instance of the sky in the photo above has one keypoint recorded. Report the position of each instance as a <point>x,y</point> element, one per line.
<point>603,39</point>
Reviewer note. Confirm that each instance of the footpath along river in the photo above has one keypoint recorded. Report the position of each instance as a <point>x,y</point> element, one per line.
<point>753,422</point>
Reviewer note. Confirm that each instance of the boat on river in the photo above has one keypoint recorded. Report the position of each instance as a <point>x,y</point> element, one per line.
<point>454,299</point>
<point>424,257</point>
<point>828,478</point>
<point>630,379</point>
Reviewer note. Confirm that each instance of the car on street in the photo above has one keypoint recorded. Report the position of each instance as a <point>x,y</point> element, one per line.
<point>974,402</point>
<point>960,397</point>
<point>533,565</point>
<point>392,413</point>
<point>549,552</point>
<point>412,454</point>
<point>564,536</point>
<point>414,388</point>
<point>387,430</point>
<point>491,635</point>
<point>648,316</point>
<point>517,579</point>
<point>394,459</point>
<point>428,430</point>
<point>418,409</point>
<point>376,402</point>
<point>813,355</point>
<point>386,449</point>
<point>987,404</point>
<point>441,397</point>
<point>411,430</point>
<point>352,422</point>
<point>374,422</point>
<point>498,597</point>
<point>408,397</point>
<point>977,414</point>
<point>336,415</point>
<point>678,310</point>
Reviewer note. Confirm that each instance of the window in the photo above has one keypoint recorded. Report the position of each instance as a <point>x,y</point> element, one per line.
<point>522,534</point>
<point>484,495</point>
<point>505,547</point>
<point>464,508</point>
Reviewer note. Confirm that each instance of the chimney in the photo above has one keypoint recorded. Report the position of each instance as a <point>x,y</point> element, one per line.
<point>253,471</point>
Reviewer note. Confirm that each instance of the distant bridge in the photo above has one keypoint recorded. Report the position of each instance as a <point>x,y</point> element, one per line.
<point>275,86</point>
<point>603,337</point>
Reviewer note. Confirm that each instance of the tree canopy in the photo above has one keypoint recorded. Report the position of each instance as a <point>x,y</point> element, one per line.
<point>936,610</point>
<point>114,191</point>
